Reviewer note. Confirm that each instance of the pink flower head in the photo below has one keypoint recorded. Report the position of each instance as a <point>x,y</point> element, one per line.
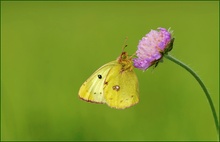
<point>152,47</point>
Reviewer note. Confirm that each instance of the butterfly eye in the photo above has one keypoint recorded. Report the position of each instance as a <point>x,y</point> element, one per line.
<point>100,76</point>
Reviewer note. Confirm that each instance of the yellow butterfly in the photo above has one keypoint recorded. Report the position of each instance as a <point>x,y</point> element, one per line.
<point>115,84</point>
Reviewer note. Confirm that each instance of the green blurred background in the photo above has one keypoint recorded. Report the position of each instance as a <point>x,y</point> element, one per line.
<point>50,48</point>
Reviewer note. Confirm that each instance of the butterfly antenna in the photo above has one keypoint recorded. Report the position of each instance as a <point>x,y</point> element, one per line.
<point>124,45</point>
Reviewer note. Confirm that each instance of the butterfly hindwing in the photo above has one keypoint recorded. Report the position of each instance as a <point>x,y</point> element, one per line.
<point>121,88</point>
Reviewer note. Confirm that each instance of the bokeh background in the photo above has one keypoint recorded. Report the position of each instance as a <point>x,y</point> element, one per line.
<point>49,49</point>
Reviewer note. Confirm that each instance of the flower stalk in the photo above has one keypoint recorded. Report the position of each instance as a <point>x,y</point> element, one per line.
<point>153,47</point>
<point>201,84</point>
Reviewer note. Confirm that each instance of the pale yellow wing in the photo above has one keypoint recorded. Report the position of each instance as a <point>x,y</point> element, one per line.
<point>121,88</point>
<point>92,89</point>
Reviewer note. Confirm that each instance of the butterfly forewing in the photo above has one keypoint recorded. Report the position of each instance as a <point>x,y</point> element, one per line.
<point>92,88</point>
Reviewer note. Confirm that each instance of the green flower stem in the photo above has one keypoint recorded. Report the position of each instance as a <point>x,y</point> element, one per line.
<point>201,84</point>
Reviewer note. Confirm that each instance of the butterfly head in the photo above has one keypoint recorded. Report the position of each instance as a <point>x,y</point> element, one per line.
<point>125,61</point>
